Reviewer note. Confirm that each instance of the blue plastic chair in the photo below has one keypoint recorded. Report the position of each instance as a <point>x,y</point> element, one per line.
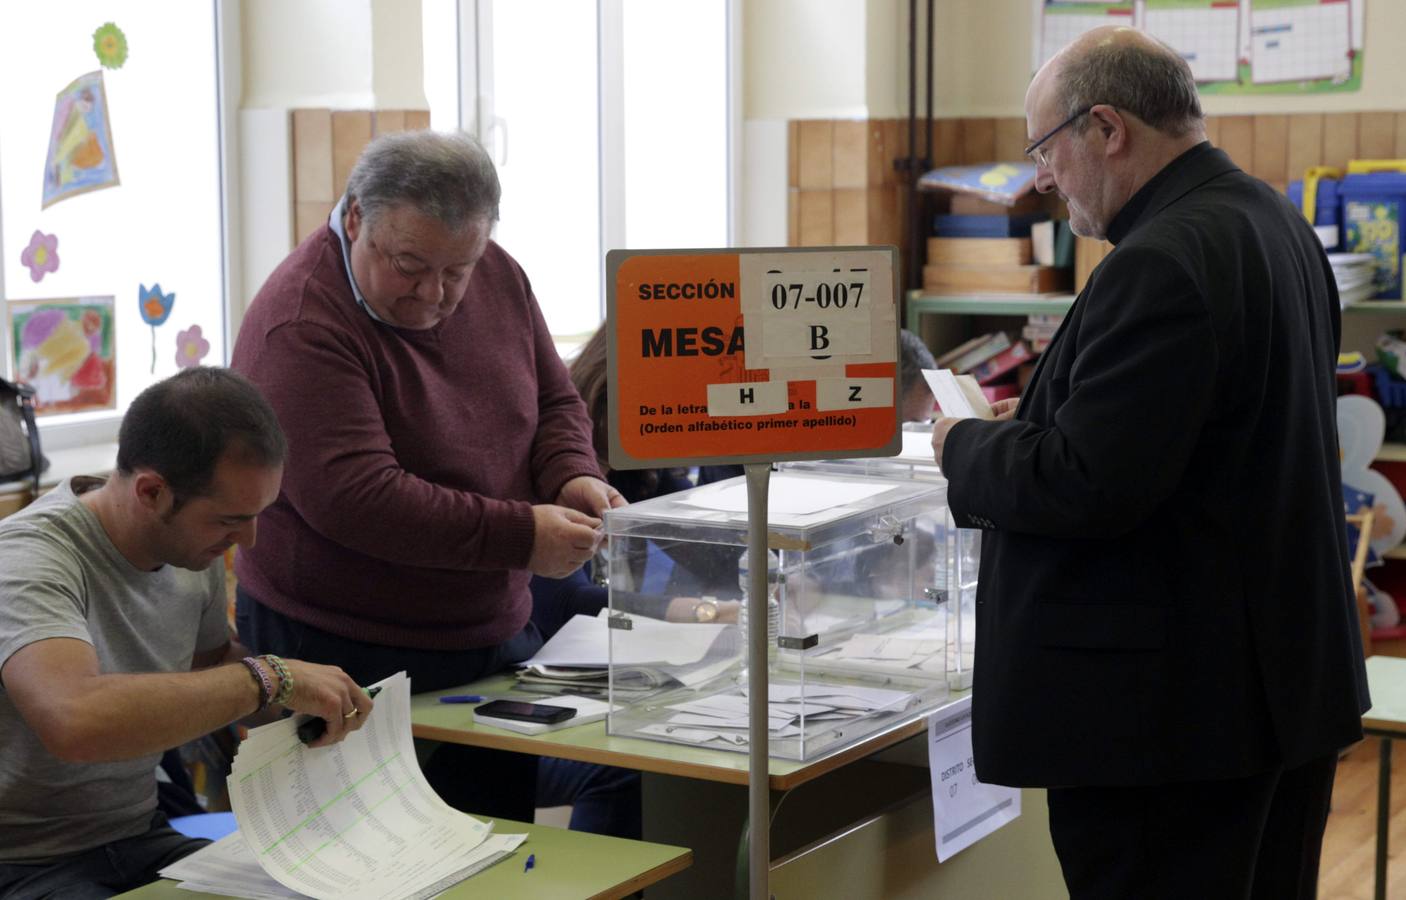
<point>206,825</point>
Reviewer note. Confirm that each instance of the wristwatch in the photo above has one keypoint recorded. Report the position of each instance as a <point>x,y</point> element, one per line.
<point>706,610</point>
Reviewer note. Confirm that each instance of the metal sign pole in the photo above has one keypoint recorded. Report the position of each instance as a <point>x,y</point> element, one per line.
<point>758,692</point>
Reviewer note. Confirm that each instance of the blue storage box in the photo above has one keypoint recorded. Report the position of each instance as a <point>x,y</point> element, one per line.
<point>1371,220</point>
<point>985,226</point>
<point>1327,206</point>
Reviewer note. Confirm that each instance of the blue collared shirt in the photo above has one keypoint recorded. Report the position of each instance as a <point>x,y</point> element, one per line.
<point>335,223</point>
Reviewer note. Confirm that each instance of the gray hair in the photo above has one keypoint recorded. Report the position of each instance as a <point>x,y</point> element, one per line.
<point>1146,78</point>
<point>449,177</point>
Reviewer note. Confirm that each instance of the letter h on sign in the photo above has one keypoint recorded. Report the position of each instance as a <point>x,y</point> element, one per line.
<point>745,395</point>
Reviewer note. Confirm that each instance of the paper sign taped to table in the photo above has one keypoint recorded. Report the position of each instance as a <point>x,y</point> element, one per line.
<point>964,809</point>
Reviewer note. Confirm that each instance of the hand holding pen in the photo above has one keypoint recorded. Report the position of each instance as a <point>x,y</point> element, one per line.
<point>314,729</point>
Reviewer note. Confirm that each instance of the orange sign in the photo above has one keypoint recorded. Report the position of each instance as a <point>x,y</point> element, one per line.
<point>751,356</point>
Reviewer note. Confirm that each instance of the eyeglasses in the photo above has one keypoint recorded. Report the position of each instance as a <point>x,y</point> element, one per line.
<point>1035,152</point>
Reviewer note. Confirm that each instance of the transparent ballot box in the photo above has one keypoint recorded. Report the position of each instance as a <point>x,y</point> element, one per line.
<point>962,556</point>
<point>860,628</point>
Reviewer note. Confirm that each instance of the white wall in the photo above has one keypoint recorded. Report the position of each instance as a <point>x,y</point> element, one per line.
<point>300,54</point>
<point>804,59</point>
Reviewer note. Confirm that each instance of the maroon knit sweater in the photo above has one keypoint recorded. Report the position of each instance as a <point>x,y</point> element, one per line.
<point>413,456</point>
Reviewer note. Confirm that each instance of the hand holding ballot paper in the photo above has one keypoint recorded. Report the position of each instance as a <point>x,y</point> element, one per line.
<point>961,398</point>
<point>959,395</point>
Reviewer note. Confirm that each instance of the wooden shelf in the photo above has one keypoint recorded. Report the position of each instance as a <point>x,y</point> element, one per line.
<point>1377,306</point>
<point>1392,452</point>
<point>1395,553</point>
<point>920,303</point>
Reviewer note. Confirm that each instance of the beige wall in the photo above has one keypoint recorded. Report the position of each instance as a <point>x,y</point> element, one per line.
<point>803,61</point>
<point>341,54</point>
<point>978,74</point>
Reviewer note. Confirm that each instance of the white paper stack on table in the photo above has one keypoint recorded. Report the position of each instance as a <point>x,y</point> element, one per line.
<point>353,820</point>
<point>655,653</point>
<point>722,718</point>
<point>959,395</point>
<point>1355,274</point>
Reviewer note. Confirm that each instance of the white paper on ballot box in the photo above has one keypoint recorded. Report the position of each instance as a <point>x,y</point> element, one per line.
<point>964,809</point>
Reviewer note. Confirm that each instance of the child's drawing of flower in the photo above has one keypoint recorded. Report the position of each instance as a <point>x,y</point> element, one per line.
<point>42,254</point>
<point>110,44</point>
<point>191,347</point>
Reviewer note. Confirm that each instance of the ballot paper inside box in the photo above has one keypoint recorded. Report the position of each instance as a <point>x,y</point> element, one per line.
<point>860,628</point>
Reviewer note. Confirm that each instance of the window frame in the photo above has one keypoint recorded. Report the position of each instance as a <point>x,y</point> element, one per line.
<point>475,42</point>
<point>102,429</point>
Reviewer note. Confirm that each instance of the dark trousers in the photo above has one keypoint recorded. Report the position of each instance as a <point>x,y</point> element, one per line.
<point>483,782</point>
<point>103,871</point>
<point>1257,837</point>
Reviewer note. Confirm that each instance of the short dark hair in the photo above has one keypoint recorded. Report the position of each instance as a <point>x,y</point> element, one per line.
<point>1150,80</point>
<point>181,427</point>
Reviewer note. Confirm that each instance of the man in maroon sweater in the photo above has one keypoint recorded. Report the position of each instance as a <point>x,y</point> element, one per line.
<point>438,453</point>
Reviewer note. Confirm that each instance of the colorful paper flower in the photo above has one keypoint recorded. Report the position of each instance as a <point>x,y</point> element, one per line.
<point>110,44</point>
<point>156,306</point>
<point>42,254</point>
<point>191,347</point>
<point>156,309</point>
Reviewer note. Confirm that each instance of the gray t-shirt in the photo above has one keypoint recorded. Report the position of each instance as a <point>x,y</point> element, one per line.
<point>61,577</point>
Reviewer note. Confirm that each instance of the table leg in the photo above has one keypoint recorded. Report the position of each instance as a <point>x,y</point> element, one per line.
<point>1383,814</point>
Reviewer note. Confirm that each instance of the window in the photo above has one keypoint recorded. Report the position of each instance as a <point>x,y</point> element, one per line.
<point>611,129</point>
<point>127,159</point>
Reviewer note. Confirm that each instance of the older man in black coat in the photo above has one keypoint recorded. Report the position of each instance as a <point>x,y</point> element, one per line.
<point>1166,636</point>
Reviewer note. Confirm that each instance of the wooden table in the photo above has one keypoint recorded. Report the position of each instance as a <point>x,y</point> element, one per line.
<point>697,797</point>
<point>568,865</point>
<point>454,723</point>
<point>1386,678</point>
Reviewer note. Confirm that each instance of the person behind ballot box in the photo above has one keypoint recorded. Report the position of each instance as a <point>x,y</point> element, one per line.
<point>1166,634</point>
<point>114,642</point>
<point>438,453</point>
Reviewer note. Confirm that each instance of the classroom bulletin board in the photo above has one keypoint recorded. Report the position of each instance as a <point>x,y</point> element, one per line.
<point>1232,46</point>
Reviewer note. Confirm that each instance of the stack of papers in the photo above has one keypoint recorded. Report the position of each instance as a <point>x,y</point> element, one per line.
<point>722,718</point>
<point>353,820</point>
<point>1355,274</point>
<point>651,654</point>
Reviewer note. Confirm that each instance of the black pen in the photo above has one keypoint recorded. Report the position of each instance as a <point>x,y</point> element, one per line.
<point>315,728</point>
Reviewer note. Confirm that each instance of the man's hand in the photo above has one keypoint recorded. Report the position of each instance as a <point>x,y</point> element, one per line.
<point>330,694</point>
<point>1002,410</point>
<point>589,495</point>
<point>563,539</point>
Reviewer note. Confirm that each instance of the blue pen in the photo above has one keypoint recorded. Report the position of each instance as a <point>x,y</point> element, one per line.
<point>461,698</point>
<point>531,861</point>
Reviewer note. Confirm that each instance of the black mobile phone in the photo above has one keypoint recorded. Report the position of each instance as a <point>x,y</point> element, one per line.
<point>520,711</point>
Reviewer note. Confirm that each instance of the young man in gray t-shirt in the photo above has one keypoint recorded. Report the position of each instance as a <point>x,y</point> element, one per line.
<point>114,644</point>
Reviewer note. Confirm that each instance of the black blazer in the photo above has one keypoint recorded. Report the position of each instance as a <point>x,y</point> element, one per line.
<point>1164,588</point>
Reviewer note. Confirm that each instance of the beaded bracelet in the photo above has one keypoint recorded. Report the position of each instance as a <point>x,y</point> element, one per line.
<point>285,679</point>
<point>261,678</point>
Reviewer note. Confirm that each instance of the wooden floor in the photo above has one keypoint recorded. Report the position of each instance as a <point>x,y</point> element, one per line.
<point>1349,846</point>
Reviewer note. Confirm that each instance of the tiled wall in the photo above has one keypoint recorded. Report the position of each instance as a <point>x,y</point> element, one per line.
<point>325,146</point>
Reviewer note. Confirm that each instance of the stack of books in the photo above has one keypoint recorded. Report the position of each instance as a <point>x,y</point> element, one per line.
<point>987,358</point>
<point>984,245</point>
<point>1040,329</point>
